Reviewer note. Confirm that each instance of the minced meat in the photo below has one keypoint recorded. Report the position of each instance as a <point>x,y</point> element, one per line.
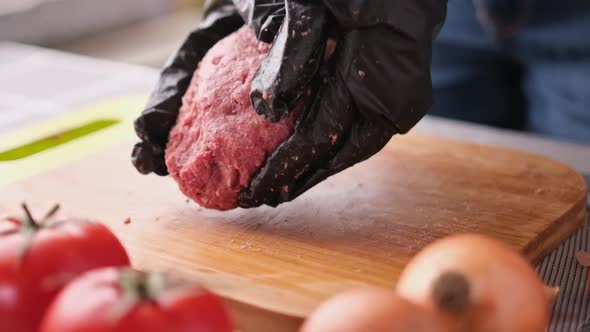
<point>219,141</point>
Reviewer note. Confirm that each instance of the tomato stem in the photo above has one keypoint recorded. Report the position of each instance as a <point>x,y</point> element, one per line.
<point>137,287</point>
<point>51,213</point>
<point>29,220</point>
<point>29,227</point>
<point>141,285</point>
<point>149,285</point>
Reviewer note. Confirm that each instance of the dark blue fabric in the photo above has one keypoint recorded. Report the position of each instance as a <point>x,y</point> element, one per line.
<point>505,10</point>
<point>533,76</point>
<point>503,16</point>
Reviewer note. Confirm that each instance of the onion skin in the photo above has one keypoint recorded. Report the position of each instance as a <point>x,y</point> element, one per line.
<point>504,291</point>
<point>371,310</point>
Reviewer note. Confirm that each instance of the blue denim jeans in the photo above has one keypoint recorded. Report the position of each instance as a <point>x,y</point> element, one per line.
<point>520,64</point>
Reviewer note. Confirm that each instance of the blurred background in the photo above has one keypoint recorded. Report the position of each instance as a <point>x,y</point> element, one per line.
<point>534,81</point>
<point>142,32</point>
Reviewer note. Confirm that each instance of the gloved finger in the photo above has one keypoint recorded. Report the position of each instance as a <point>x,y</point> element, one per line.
<point>153,126</point>
<point>159,115</point>
<point>263,16</point>
<point>267,31</point>
<point>293,60</point>
<point>147,159</point>
<point>308,152</point>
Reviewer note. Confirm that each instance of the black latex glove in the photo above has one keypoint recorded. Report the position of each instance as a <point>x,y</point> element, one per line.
<point>376,84</point>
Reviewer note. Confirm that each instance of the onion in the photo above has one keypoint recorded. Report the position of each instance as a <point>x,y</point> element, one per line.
<point>479,285</point>
<point>371,310</point>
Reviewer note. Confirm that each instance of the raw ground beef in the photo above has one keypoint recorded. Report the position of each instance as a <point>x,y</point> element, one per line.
<point>219,141</point>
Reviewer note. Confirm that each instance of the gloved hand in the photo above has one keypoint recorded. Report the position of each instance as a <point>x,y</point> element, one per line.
<point>376,84</point>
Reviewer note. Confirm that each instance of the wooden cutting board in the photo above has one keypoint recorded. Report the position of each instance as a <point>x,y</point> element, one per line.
<point>360,227</point>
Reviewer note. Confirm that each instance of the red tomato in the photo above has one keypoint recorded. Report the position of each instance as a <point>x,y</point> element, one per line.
<point>124,300</point>
<point>37,259</point>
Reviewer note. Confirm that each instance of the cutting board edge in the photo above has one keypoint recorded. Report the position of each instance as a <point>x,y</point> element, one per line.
<point>565,226</point>
<point>251,318</point>
<point>556,233</point>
